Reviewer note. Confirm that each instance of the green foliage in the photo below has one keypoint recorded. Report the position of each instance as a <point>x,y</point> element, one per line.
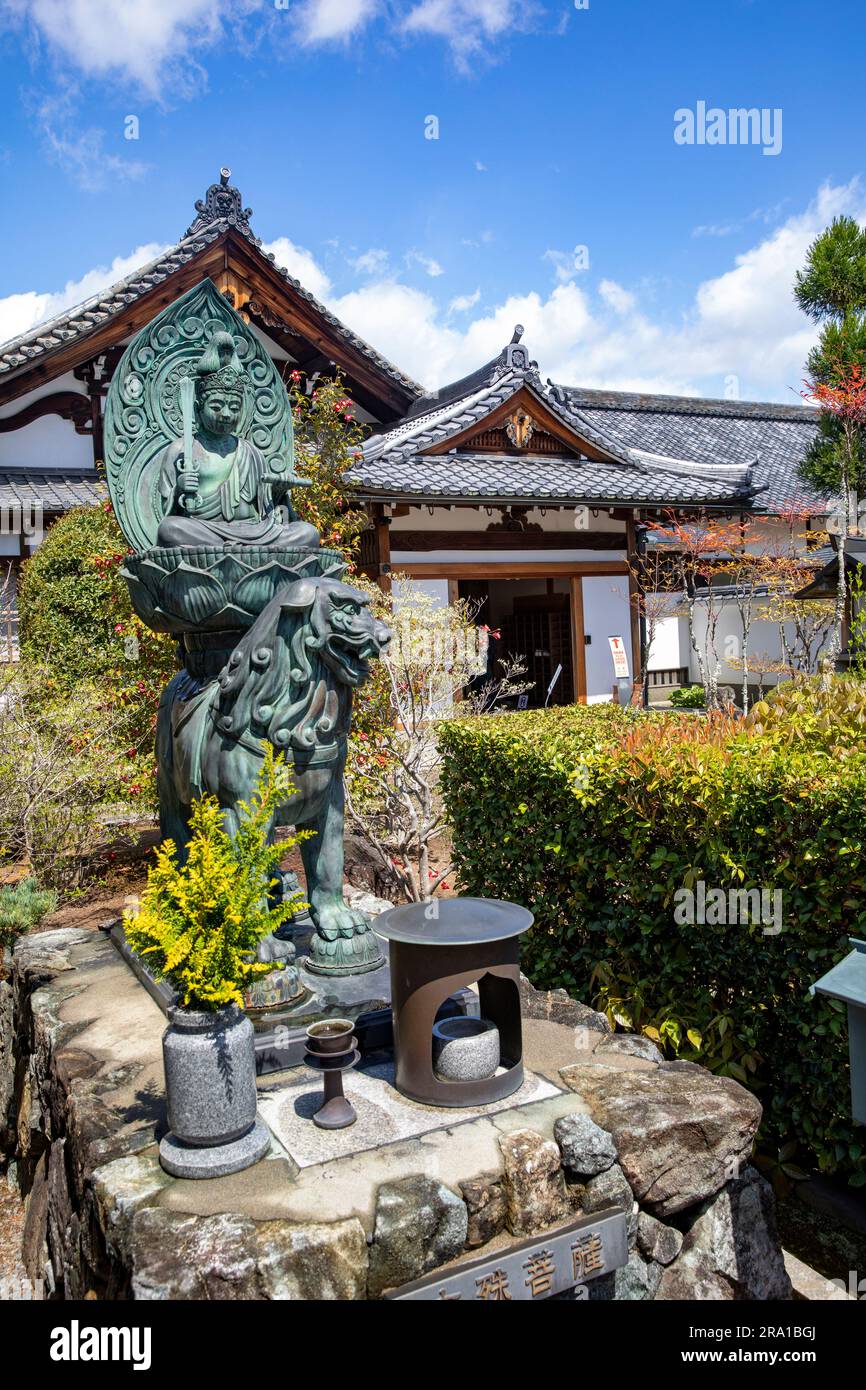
<point>63,767</point>
<point>22,907</point>
<point>834,280</point>
<point>831,289</point>
<point>76,621</point>
<point>198,924</point>
<point>814,714</point>
<point>689,697</point>
<point>327,440</point>
<point>595,817</point>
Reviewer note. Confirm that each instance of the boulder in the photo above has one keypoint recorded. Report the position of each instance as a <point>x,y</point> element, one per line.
<point>193,1257</point>
<point>657,1241</point>
<point>585,1147</point>
<point>419,1224</point>
<point>737,1233</point>
<point>692,1278</point>
<point>629,1045</point>
<point>534,1183</point>
<point>679,1131</point>
<point>487,1208</point>
<point>556,1006</point>
<point>323,1262</point>
<point>638,1281</point>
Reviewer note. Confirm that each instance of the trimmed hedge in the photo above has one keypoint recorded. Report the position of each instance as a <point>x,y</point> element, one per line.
<point>595,817</point>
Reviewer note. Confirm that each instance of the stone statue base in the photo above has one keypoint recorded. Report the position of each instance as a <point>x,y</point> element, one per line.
<point>346,955</point>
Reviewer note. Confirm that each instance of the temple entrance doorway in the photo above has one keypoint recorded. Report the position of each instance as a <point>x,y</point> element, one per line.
<point>535,622</point>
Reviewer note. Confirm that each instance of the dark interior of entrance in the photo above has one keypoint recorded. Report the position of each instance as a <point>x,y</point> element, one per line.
<point>534,618</point>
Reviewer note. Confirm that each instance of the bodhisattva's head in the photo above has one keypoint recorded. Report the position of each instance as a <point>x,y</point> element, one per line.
<point>220,386</point>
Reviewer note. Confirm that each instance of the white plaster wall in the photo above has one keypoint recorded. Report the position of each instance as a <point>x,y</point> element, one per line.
<point>49,442</point>
<point>437,589</point>
<point>763,638</point>
<point>670,645</point>
<point>606,613</point>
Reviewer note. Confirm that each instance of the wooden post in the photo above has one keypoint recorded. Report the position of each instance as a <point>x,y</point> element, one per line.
<point>578,646</point>
<point>382,547</point>
<point>634,607</point>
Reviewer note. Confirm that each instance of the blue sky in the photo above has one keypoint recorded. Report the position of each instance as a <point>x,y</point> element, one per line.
<point>555,131</point>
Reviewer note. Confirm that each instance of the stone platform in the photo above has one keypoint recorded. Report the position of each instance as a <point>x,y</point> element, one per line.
<point>602,1123</point>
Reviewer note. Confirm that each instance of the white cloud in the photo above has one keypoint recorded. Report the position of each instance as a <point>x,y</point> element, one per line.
<point>428,264</point>
<point>372,262</point>
<point>470,27</point>
<point>568,263</point>
<point>21,312</point>
<point>462,302</point>
<point>617,298</point>
<point>743,322</point>
<point>160,48</point>
<point>329,21</point>
<point>301,264</point>
<point>479,167</point>
<point>147,41</point>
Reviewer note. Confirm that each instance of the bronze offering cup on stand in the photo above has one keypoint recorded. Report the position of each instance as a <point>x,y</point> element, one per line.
<point>331,1049</point>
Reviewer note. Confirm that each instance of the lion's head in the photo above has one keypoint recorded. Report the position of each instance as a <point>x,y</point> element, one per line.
<point>341,627</point>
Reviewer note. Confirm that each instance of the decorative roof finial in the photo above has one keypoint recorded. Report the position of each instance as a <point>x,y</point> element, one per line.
<point>222,203</point>
<point>516,356</point>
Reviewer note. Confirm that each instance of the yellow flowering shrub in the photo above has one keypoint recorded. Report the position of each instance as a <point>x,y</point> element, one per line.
<point>198,924</point>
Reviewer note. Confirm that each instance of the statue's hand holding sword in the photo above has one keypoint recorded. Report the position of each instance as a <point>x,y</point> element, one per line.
<point>187,469</point>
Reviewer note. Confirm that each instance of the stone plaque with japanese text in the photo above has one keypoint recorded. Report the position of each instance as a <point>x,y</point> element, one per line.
<point>539,1268</point>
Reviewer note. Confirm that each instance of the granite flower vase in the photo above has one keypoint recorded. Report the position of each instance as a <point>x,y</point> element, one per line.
<point>210,1082</point>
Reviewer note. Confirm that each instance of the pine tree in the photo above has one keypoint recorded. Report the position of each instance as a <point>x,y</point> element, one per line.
<point>832,291</point>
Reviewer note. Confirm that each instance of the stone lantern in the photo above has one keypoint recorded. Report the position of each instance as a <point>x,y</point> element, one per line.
<point>847,981</point>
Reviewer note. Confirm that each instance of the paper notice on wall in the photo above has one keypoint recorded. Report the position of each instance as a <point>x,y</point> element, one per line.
<point>620,657</point>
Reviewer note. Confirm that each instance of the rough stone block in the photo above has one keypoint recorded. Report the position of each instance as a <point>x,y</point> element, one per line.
<point>192,1257</point>
<point>629,1045</point>
<point>737,1233</point>
<point>534,1184</point>
<point>657,1241</point>
<point>323,1262</point>
<point>679,1131</point>
<point>585,1147</point>
<point>487,1207</point>
<point>419,1225</point>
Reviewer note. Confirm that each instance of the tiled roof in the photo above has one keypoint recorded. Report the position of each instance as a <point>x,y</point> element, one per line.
<point>641,469</point>
<point>772,439</point>
<point>487,478</point>
<point>220,211</point>
<point>54,490</point>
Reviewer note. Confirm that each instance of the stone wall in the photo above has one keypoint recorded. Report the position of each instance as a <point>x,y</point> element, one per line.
<point>666,1141</point>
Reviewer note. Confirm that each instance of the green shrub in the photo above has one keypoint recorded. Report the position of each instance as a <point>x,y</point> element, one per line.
<point>199,923</point>
<point>688,697</point>
<point>63,771</point>
<point>810,711</point>
<point>77,624</point>
<point>595,818</point>
<point>22,907</point>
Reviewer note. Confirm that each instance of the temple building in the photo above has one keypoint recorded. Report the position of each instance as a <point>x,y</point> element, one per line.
<point>528,495</point>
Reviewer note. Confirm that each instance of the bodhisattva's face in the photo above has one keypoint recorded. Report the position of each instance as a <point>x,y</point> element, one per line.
<point>219,411</point>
